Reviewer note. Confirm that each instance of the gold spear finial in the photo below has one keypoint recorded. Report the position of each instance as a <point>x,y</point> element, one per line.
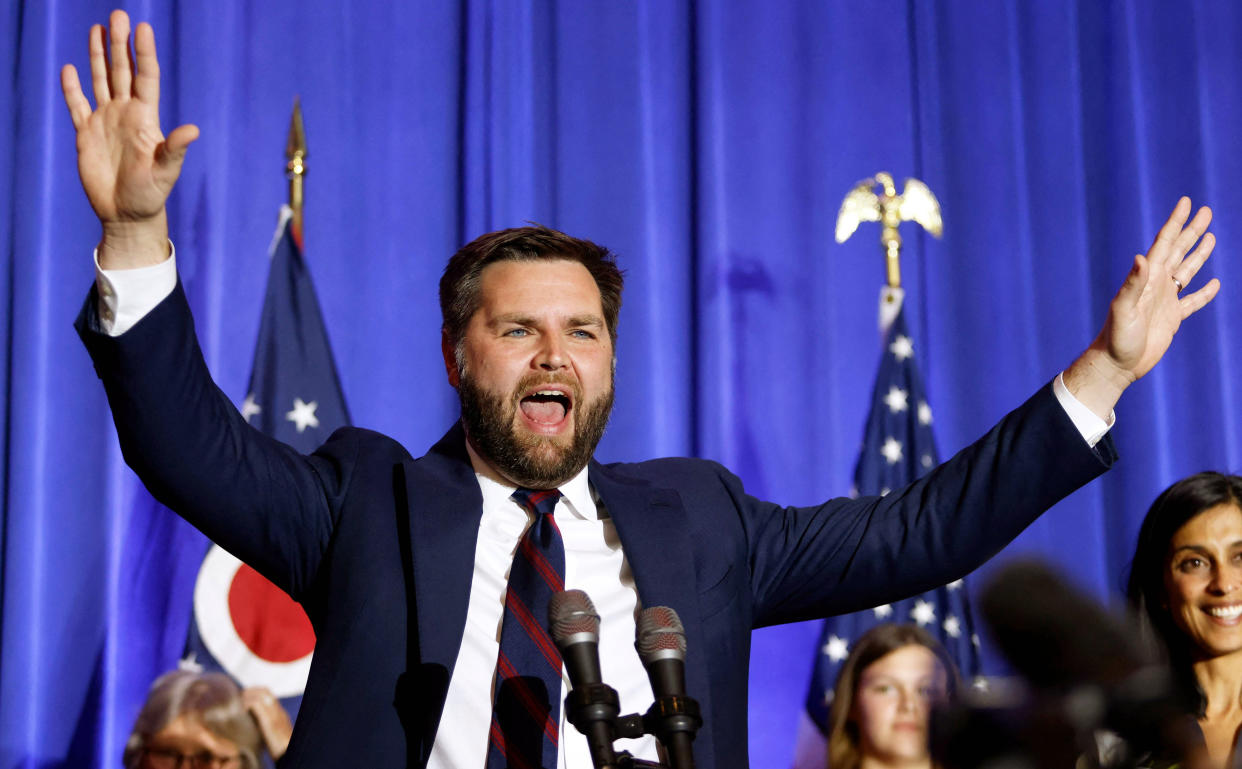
<point>915,203</point>
<point>295,169</point>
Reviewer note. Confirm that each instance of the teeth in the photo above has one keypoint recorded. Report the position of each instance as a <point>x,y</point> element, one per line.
<point>550,393</point>
<point>1226,612</point>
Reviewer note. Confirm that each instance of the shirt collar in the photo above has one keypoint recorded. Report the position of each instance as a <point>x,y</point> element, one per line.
<point>576,491</point>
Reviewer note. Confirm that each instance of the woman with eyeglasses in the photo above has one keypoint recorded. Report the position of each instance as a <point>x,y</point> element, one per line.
<point>883,697</point>
<point>204,721</point>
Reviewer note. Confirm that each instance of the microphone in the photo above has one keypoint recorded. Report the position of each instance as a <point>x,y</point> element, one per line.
<point>673,717</point>
<point>592,707</point>
<point>1084,671</point>
<point>1053,634</point>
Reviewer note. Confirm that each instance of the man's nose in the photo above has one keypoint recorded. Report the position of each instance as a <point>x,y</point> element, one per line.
<point>551,355</point>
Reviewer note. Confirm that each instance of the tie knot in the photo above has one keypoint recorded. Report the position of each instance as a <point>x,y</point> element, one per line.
<point>537,501</point>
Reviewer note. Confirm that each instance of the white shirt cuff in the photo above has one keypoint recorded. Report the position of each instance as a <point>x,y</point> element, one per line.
<point>126,296</point>
<point>1090,426</point>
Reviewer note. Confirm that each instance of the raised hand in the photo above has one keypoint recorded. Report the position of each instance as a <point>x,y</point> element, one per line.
<point>1147,310</point>
<point>270,715</point>
<point>128,167</point>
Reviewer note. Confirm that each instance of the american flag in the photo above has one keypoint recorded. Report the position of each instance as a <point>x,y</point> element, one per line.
<point>243,624</point>
<point>897,448</point>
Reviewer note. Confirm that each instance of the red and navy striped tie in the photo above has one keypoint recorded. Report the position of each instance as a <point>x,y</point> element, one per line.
<point>526,713</point>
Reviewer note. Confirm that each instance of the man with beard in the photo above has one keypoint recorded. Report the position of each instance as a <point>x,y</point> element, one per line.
<point>403,565</point>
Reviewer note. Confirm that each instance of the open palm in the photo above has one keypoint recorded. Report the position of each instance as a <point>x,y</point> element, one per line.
<point>127,165</point>
<point>1148,310</point>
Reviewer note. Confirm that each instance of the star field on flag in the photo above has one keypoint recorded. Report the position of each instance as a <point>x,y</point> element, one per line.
<point>897,448</point>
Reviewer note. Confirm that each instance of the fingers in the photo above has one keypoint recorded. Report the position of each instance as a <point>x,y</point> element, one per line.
<point>119,70</point>
<point>75,100</point>
<point>1189,267</point>
<point>99,66</point>
<point>1173,226</point>
<point>1192,303</point>
<point>171,151</point>
<point>147,71</point>
<point>1192,232</point>
<point>1132,288</point>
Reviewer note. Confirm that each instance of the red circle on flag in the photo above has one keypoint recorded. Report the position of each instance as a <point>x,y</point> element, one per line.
<point>270,623</point>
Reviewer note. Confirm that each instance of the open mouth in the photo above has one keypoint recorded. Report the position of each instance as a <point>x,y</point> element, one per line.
<point>546,407</point>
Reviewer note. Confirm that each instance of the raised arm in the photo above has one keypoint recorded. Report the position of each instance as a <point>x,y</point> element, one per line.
<point>128,167</point>
<point>1146,312</point>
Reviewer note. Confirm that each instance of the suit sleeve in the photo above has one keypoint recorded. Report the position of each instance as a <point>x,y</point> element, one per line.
<point>851,554</point>
<point>256,497</point>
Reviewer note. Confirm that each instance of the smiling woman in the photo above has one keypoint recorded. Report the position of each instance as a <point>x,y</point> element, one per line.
<point>1186,586</point>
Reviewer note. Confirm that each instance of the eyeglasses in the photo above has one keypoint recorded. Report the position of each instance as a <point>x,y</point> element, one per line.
<point>167,758</point>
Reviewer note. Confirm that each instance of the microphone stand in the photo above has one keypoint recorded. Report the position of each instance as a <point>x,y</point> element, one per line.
<point>673,720</point>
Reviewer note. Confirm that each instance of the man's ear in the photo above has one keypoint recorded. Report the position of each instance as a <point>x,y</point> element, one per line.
<point>449,351</point>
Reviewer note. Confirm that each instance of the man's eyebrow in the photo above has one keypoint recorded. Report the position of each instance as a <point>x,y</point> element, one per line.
<point>521,319</point>
<point>585,320</point>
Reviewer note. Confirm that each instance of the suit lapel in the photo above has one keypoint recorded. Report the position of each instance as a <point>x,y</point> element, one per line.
<point>445,507</point>
<point>654,529</point>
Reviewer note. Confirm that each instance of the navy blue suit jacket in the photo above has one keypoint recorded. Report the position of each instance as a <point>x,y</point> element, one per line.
<point>379,546</point>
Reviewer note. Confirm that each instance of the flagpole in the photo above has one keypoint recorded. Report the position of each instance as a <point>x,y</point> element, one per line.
<point>295,168</point>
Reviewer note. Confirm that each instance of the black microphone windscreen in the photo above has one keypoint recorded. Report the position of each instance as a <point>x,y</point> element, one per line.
<point>660,634</point>
<point>570,615</point>
<point>1052,633</point>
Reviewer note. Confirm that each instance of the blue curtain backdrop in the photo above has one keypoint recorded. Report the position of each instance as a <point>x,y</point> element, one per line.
<point>709,144</point>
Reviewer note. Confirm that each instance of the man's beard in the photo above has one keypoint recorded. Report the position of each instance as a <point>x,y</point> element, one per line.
<point>531,461</point>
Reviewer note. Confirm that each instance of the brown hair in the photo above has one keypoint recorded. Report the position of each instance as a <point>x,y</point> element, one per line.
<point>211,699</point>
<point>843,737</point>
<point>459,285</point>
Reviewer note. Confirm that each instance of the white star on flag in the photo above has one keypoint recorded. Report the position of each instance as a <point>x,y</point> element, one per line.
<point>928,461</point>
<point>901,348</point>
<point>883,612</point>
<point>955,585</point>
<point>891,450</point>
<point>923,613</point>
<point>250,408</point>
<point>925,417</point>
<point>190,663</point>
<point>952,626</point>
<point>974,640</point>
<point>303,414</point>
<point>836,648</point>
<point>895,400</point>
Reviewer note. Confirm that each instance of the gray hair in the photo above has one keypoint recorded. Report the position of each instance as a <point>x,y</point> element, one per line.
<point>211,699</point>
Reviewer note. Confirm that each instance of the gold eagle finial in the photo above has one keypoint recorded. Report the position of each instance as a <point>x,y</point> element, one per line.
<point>863,203</point>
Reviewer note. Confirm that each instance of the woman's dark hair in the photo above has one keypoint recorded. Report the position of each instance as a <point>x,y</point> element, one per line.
<point>843,738</point>
<point>1145,589</point>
